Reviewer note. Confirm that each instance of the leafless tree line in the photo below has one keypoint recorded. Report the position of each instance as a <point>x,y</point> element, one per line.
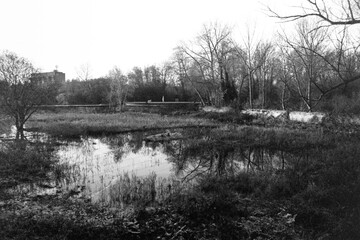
<point>303,67</point>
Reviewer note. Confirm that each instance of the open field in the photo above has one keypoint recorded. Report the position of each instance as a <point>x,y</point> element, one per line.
<point>75,124</point>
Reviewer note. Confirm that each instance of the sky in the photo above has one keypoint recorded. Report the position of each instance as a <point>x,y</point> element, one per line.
<point>99,34</point>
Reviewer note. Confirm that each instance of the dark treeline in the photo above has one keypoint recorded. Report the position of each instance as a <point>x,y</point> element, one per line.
<point>150,83</point>
<point>311,70</point>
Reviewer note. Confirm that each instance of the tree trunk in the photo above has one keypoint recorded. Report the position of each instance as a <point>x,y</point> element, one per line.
<point>263,93</point>
<point>309,104</point>
<point>19,129</point>
<point>250,91</point>
<point>283,98</point>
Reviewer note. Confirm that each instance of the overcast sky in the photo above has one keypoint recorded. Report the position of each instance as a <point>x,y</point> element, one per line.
<point>125,33</point>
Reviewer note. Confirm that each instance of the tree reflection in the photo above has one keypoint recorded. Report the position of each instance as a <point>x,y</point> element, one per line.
<point>124,144</point>
<point>205,151</point>
<point>208,153</point>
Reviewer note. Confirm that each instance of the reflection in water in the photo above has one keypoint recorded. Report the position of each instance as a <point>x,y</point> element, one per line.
<point>209,157</point>
<point>209,153</point>
<point>8,131</point>
<point>124,169</point>
<point>99,164</point>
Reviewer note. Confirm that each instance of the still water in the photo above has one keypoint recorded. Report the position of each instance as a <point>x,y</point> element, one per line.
<point>147,167</point>
<point>128,168</point>
<point>98,164</point>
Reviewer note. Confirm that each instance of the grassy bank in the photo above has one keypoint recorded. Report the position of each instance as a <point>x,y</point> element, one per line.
<point>73,124</point>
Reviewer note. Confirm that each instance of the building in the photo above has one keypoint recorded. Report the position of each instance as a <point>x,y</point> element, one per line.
<point>53,83</point>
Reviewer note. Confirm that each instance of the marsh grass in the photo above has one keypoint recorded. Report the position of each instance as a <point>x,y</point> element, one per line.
<point>139,193</point>
<point>227,140</point>
<point>75,124</point>
<point>21,162</point>
<point>271,138</point>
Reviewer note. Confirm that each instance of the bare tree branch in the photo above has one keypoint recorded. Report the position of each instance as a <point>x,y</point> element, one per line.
<point>331,13</point>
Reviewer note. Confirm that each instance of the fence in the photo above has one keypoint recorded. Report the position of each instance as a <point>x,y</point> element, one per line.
<point>129,106</point>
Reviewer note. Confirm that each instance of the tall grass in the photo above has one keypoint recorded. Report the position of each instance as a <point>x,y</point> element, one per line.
<point>141,192</point>
<point>21,162</point>
<point>273,137</point>
<point>75,124</point>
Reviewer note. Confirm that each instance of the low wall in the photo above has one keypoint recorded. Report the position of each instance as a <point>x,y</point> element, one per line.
<point>297,116</point>
<point>161,106</point>
<point>95,108</point>
<point>129,106</point>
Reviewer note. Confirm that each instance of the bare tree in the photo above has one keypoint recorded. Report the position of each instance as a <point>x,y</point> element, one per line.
<point>282,79</point>
<point>167,76</point>
<point>254,56</point>
<point>208,53</point>
<point>318,64</point>
<point>119,88</point>
<point>84,72</point>
<point>305,65</point>
<point>248,60</point>
<point>183,70</point>
<point>20,94</point>
<point>265,72</point>
<point>329,12</point>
